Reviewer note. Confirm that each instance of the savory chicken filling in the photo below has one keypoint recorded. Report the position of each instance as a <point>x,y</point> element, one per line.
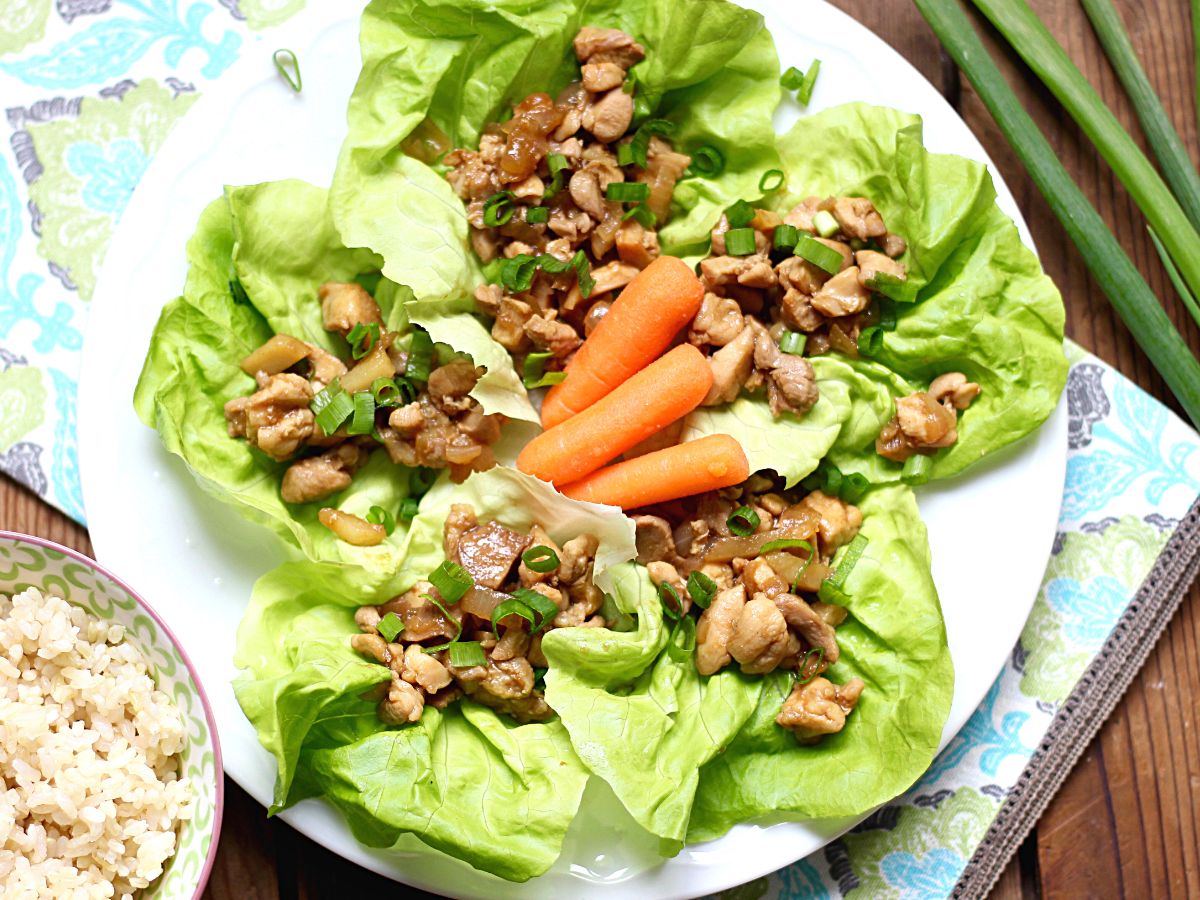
<point>564,200</point>
<point>327,415</point>
<point>476,626</point>
<point>756,561</point>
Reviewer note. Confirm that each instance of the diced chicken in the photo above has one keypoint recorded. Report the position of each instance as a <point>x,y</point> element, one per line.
<point>609,116</point>
<point>319,476</point>
<point>839,520</point>
<point>402,705</point>
<point>731,367</point>
<point>509,327</point>
<point>819,708</point>
<point>636,245</point>
<point>716,627</point>
<point>459,521</point>
<point>718,321</point>
<point>584,188</point>
<point>953,389</point>
<point>757,273</point>
<point>796,311</point>
<point>489,552</point>
<point>925,422</point>
<point>801,215</point>
<point>424,670</point>
<point>275,418</point>
<point>893,245</point>
<point>345,305</point>
<point>575,558</point>
<point>807,623</point>
<point>450,384</point>
<point>654,539</point>
<point>488,297</point>
<point>600,77</point>
<point>872,262</point>
<point>553,335</point>
<point>760,637</point>
<point>792,386</point>
<point>858,218</point>
<point>611,276</point>
<point>842,295</point>
<point>532,188</point>
<point>599,45</point>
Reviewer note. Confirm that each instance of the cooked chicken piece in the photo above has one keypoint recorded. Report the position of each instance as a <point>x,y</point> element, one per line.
<point>485,244</point>
<point>407,420</point>
<point>760,637</point>
<point>858,218</point>
<point>584,188</point>
<point>450,384</point>
<point>613,275</point>
<point>345,305</point>
<point>599,77</point>
<point>366,618</point>
<point>801,215</point>
<point>872,262</point>
<point>371,645</point>
<point>760,578</point>
<point>925,422</point>
<point>796,272</point>
<point>731,367</point>
<point>489,552</point>
<point>509,327</point>
<point>275,418</point>
<point>403,704</point>
<point>601,45</point>
<point>716,628</point>
<point>584,599</point>
<point>532,188</point>
<point>575,559</point>
<point>819,708</point>
<point>797,312</point>
<point>424,670</point>
<point>758,273</point>
<point>664,168</point>
<point>842,295</point>
<point>471,175</point>
<point>483,429</point>
<point>636,245</point>
<point>654,539</point>
<point>718,321</point>
<point>893,245</point>
<point>609,116</point>
<point>792,386</point>
<point>538,538</point>
<point>721,574</point>
<point>953,389</point>
<point>459,521</point>
<point>807,623</point>
<point>664,573</point>
<point>570,222</point>
<point>839,520</point>
<point>324,367</point>
<point>319,476</point>
<point>487,298</point>
<point>718,271</point>
<point>551,334</point>
<point>513,644</point>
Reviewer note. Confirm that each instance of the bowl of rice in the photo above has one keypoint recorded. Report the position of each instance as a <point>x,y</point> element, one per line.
<point>110,770</point>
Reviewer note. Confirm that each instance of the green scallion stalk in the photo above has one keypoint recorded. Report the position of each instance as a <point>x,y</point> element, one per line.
<point>420,356</point>
<point>627,191</point>
<point>772,180</point>
<point>545,608</point>
<point>362,421</point>
<point>893,287</point>
<point>827,226</point>
<point>287,65</point>
<point>390,626</point>
<point>535,374</point>
<point>498,209</point>
<point>743,521</point>
<point>739,214</point>
<point>513,607</point>
<point>793,342</point>
<point>701,588</point>
<point>739,242</point>
<point>537,215</point>
<point>1164,140</point>
<point>540,559</point>
<point>331,407</point>
<point>707,162</point>
<point>805,91</point>
<point>451,581</point>
<point>870,341</point>
<point>465,654</point>
<point>380,516</point>
<point>672,603</point>
<point>1117,276</point>
<point>409,507</point>
<point>1176,279</point>
<point>810,665</point>
<point>682,641</point>
<point>916,469</point>
<point>825,258</point>
<point>1030,38</point>
<point>785,237</point>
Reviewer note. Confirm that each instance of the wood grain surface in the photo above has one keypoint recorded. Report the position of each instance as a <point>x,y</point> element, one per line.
<point>1126,822</point>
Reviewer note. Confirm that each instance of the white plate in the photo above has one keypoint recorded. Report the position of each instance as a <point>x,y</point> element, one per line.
<point>195,559</point>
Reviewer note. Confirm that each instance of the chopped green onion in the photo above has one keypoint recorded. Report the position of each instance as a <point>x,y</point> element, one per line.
<point>641,140</point>
<point>793,342</point>
<point>362,338</point>
<point>899,289</point>
<point>772,180</point>
<point>498,209</point>
<point>331,407</point>
<point>785,544</point>
<point>451,581</point>
<point>707,162</point>
<point>625,154</point>
<point>743,521</point>
<point>809,673</point>
<point>537,215</point>
<point>827,226</point>
<point>516,273</point>
<point>833,479</point>
<point>445,612</point>
<point>678,649</point>
<point>240,297</point>
<point>557,164</point>
<point>643,213</point>
<point>362,420</point>
<point>389,392</point>
<point>465,654</point>
<point>870,341</point>
<point>832,586</point>
<point>854,486</point>
<point>804,92</point>
<point>825,258</point>
<point>739,214</point>
<point>420,356</point>
<point>421,479</point>
<point>545,608</point>
<point>627,191</point>
<point>380,516</point>
<point>785,237</point>
<point>536,375</point>
<point>390,626</point>
<point>513,607</point>
<point>814,481</point>
<point>583,273</point>
<point>887,315</point>
<point>916,469</point>
<point>791,79</point>
<point>701,588</point>
<point>409,507</point>
<point>540,559</point>
<point>287,65</point>
<point>671,601</point>
<point>739,242</point>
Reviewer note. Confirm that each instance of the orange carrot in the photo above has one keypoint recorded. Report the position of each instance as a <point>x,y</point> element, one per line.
<point>711,463</point>
<point>652,308</point>
<point>651,400</point>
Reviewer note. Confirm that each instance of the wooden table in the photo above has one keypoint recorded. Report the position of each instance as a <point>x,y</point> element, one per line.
<point>1126,822</point>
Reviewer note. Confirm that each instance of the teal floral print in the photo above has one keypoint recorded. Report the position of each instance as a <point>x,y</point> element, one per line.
<point>109,174</point>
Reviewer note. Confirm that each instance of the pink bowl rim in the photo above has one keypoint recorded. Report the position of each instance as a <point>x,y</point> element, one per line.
<point>85,560</point>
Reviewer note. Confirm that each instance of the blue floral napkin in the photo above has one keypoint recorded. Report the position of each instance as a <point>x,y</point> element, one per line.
<point>92,87</point>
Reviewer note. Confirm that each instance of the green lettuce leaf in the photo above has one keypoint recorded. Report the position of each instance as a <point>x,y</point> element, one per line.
<point>895,640</point>
<point>436,67</point>
<point>466,781</point>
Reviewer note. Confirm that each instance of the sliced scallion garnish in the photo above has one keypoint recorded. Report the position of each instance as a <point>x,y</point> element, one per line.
<point>540,559</point>
<point>409,507</point>
<point>644,215</point>
<point>288,65</point>
<point>362,338</point>
<point>498,209</point>
<point>557,164</point>
<point>743,521</point>
<point>331,407</point>
<point>854,486</point>
<point>465,654</point>
<point>793,342</point>
<point>707,162</point>
<point>421,479</point>
<point>537,215</point>
<point>834,584</point>
<point>451,581</point>
<point>791,79</point>
<point>739,242</point>
<point>672,603</point>
<point>917,469</point>
<point>380,516</point>
<point>535,374</point>
<point>545,608</point>
<point>825,258</point>
<point>420,356</point>
<point>740,214</point>
<point>785,544</point>
<point>682,642</point>
<point>772,180</point>
<point>445,612</point>
<point>827,226</point>
<point>785,237</point>
<point>701,588</point>
<point>625,154</point>
<point>513,607</point>
<point>870,341</point>
<point>893,287</point>
<point>809,672</point>
<point>362,420</point>
<point>640,145</point>
<point>627,191</point>
<point>804,92</point>
<point>390,626</point>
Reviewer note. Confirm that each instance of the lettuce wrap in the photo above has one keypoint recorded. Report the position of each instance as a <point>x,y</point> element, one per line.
<point>255,262</point>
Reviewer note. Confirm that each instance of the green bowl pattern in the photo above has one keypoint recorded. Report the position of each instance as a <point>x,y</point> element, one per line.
<point>33,562</point>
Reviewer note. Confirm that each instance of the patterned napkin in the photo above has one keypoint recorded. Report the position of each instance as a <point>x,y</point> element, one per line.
<point>90,90</point>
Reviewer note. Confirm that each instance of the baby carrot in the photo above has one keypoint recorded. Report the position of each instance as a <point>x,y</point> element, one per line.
<point>708,464</point>
<point>647,315</point>
<point>664,391</point>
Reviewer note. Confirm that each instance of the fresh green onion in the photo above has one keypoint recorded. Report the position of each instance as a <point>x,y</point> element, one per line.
<point>380,516</point>
<point>707,162</point>
<point>513,607</point>
<point>827,226</point>
<point>671,602</point>
<point>833,479</point>
<point>870,341</point>
<point>545,608</point>
<point>701,588</point>
<point>420,356</point>
<point>537,215</point>
<point>287,65</point>
<point>887,315</point>
<point>362,338</point>
<point>825,258</point>
<point>643,213</point>
<point>785,544</point>
<point>682,642</point>
<point>583,273</point>
<point>451,581</point>
<point>854,486</point>
<point>1164,140</point>
<point>465,654</point>
<point>893,287</point>
<point>916,469</point>
<point>740,242</point>
<point>785,237</point>
<point>793,342</point>
<point>832,586</point>
<point>809,673</point>
<point>640,145</point>
<point>445,612</point>
<point>540,559</point>
<point>740,214</point>
<point>772,180</point>
<point>240,297</point>
<point>498,209</point>
<point>743,521</point>
<point>1114,272</point>
<point>390,392</point>
<point>627,191</point>
<point>791,79</point>
<point>516,273</point>
<point>421,479</point>
<point>409,507</point>
<point>804,92</point>
<point>390,626</point>
<point>1042,53</point>
<point>535,371</point>
<point>625,154</point>
<point>1176,279</point>
<point>557,164</point>
<point>362,420</point>
<point>331,407</point>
